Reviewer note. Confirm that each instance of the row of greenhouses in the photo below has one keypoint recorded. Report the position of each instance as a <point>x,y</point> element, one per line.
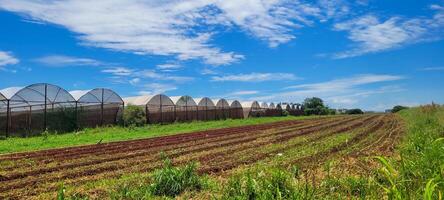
<point>31,110</point>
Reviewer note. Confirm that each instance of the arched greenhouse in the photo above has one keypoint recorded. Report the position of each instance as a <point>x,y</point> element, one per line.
<point>222,109</point>
<point>186,108</point>
<point>35,108</point>
<point>206,109</point>
<point>236,111</point>
<point>97,107</point>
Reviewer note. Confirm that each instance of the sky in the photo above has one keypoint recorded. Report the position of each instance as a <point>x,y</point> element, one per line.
<point>353,54</point>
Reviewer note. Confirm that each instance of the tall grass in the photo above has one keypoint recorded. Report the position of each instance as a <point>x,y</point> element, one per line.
<point>265,183</point>
<point>419,172</point>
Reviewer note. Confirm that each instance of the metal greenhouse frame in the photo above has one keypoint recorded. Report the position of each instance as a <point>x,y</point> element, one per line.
<point>186,108</point>
<point>252,109</point>
<point>35,108</point>
<point>158,108</point>
<point>222,109</point>
<point>236,111</point>
<point>97,107</point>
<point>206,109</point>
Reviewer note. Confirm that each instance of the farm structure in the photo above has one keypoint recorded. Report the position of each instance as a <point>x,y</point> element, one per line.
<point>158,108</point>
<point>236,111</point>
<point>186,108</point>
<point>206,109</point>
<point>96,107</point>
<point>31,110</point>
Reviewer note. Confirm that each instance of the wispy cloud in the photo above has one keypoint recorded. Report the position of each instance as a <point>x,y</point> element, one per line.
<point>135,76</point>
<point>255,77</point>
<point>156,88</point>
<point>169,66</point>
<point>63,61</point>
<point>243,92</point>
<point>432,69</point>
<point>346,83</point>
<point>119,71</point>
<point>371,34</point>
<point>341,92</point>
<point>6,58</point>
<point>183,29</point>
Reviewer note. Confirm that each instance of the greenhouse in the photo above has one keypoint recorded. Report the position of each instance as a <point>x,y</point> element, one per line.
<point>222,109</point>
<point>186,108</point>
<point>273,111</point>
<point>206,109</point>
<point>97,107</point>
<point>33,109</point>
<point>296,109</point>
<point>158,108</point>
<point>236,111</point>
<point>252,109</point>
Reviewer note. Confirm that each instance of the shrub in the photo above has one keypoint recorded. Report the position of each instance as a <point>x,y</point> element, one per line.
<point>398,108</point>
<point>263,184</point>
<point>172,181</point>
<point>134,116</point>
<point>285,113</point>
<point>355,111</point>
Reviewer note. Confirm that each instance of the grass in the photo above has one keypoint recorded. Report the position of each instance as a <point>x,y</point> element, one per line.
<point>116,133</point>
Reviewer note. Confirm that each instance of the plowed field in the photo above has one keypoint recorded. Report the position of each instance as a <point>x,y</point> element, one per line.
<point>27,175</point>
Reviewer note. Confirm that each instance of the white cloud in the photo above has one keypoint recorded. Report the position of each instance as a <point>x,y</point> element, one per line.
<point>136,76</point>
<point>156,88</point>
<point>61,60</point>
<point>371,34</point>
<point>6,58</point>
<point>255,77</point>
<point>169,66</point>
<point>119,71</point>
<point>183,29</point>
<point>342,92</point>
<point>432,69</point>
<point>243,92</point>
<point>134,81</point>
<point>346,83</point>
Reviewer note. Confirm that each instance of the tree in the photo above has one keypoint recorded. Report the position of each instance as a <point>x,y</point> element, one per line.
<point>354,111</point>
<point>134,116</point>
<point>398,108</point>
<point>315,106</point>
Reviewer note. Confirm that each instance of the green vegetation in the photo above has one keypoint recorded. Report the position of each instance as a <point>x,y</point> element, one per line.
<point>419,173</point>
<point>172,181</point>
<point>266,183</point>
<point>134,116</point>
<point>355,111</point>
<point>315,106</point>
<point>398,108</point>
<point>117,133</point>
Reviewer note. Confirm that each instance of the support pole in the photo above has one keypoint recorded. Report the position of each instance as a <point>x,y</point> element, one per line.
<point>123,112</point>
<point>160,109</point>
<point>101,108</point>
<point>44,111</point>
<point>146,114</point>
<point>8,120</point>
<point>76,118</point>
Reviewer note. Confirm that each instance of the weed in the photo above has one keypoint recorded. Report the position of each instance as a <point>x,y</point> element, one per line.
<point>172,181</point>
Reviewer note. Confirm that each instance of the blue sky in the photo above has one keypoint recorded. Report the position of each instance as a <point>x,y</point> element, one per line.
<point>367,54</point>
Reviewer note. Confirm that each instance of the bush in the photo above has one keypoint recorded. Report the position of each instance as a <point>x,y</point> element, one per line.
<point>172,181</point>
<point>398,108</point>
<point>134,116</point>
<point>355,111</point>
<point>263,184</point>
<point>285,113</point>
